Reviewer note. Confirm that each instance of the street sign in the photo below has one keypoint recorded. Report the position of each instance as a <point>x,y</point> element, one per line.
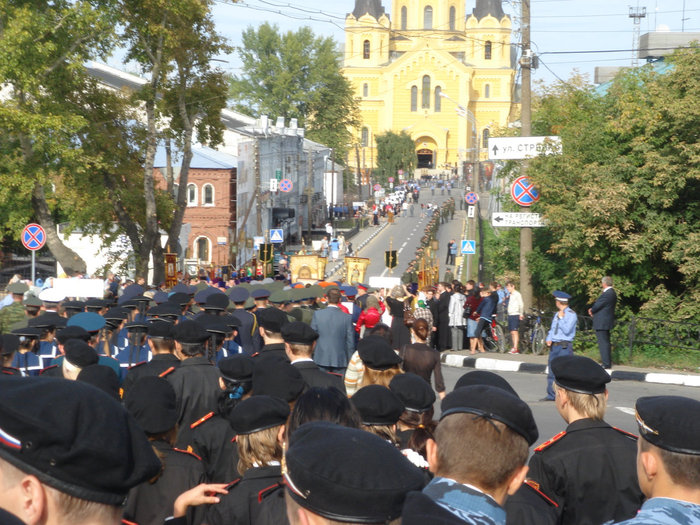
<point>391,179</point>
<point>471,197</point>
<point>471,211</point>
<point>524,192</point>
<point>468,247</point>
<point>258,240</point>
<point>517,220</point>
<point>278,174</point>
<point>33,237</point>
<point>506,148</point>
<point>274,184</point>
<point>377,187</point>
<point>286,185</point>
<point>400,172</point>
<point>276,236</point>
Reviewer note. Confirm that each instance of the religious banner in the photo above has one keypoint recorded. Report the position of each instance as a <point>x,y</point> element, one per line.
<point>355,269</point>
<point>170,270</point>
<point>307,269</point>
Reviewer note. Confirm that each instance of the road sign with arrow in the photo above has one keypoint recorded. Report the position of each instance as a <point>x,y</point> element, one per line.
<point>517,220</point>
<point>506,148</point>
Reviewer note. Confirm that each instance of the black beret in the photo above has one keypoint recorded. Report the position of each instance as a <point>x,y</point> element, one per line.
<point>153,403</point>
<point>258,413</point>
<point>179,298</point>
<point>376,353</point>
<point>492,403</point>
<point>190,332</point>
<point>80,354</point>
<point>237,367</point>
<point>579,374</point>
<point>670,422</point>
<point>273,377</point>
<point>377,405</point>
<point>74,438</point>
<point>72,332</point>
<point>299,333</point>
<point>160,329</point>
<point>10,343</point>
<point>216,301</point>
<point>323,474</point>
<point>102,377</point>
<point>272,319</point>
<point>238,294</point>
<point>484,377</point>
<point>414,392</point>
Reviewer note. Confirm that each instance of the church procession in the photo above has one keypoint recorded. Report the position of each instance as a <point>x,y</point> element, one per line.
<point>283,344</point>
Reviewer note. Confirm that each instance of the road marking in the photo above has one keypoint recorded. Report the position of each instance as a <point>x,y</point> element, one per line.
<point>384,272</point>
<point>626,410</point>
<point>404,245</point>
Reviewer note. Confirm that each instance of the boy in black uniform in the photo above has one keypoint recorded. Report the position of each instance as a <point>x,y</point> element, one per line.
<point>163,362</point>
<point>590,468</point>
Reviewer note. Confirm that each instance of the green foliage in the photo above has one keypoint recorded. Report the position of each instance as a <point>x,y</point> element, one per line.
<point>624,197</point>
<point>395,151</point>
<point>297,75</point>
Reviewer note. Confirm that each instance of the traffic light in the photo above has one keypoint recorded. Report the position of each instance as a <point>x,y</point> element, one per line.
<point>390,259</point>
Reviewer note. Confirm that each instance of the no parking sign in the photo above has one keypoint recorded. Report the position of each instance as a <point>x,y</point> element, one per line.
<point>524,192</point>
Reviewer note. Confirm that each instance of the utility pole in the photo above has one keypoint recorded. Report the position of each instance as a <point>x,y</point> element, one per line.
<point>636,15</point>
<point>309,192</point>
<point>525,131</point>
<point>258,221</point>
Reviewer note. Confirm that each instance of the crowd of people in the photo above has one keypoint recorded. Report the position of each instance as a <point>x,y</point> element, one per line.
<point>273,403</point>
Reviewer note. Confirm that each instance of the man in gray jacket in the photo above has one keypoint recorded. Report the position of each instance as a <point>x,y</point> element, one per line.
<point>336,337</point>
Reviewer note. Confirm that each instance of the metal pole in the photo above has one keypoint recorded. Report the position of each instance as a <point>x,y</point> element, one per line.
<point>33,266</point>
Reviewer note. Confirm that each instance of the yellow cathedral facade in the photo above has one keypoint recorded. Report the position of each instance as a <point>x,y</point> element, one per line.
<point>444,77</point>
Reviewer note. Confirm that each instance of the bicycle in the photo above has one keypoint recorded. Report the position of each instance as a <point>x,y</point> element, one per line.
<point>534,334</point>
<point>495,339</point>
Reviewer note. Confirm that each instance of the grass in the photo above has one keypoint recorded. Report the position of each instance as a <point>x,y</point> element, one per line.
<point>646,356</point>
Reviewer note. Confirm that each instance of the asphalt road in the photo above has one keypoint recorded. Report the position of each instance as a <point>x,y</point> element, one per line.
<point>622,396</point>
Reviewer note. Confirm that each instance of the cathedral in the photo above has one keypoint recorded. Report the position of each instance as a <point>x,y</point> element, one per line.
<point>444,77</point>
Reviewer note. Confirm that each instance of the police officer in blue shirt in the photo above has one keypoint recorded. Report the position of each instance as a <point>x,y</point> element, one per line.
<point>560,337</point>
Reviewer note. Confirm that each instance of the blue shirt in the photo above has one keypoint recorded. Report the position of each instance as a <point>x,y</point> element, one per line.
<point>486,308</point>
<point>563,329</point>
<point>29,363</point>
<point>666,511</point>
<point>467,503</point>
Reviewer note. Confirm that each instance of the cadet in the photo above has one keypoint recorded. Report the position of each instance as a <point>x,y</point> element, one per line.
<point>668,460</point>
<point>248,322</point>
<point>152,402</point>
<point>478,457</point>
<point>9,344</point>
<point>589,469</point>
<point>138,350</point>
<point>299,343</point>
<point>162,345</point>
<point>335,474</point>
<point>380,410</point>
<point>13,313</point>
<point>50,469</point>
<point>560,337</point>
<point>271,321</point>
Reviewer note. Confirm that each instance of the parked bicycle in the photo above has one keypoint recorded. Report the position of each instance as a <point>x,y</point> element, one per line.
<point>534,334</point>
<point>494,338</point>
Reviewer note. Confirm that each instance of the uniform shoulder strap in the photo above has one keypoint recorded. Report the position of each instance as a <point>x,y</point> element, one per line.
<point>47,368</point>
<point>188,452</point>
<point>138,364</point>
<point>202,420</point>
<point>629,434</point>
<point>166,372</point>
<point>233,483</point>
<point>536,487</point>
<point>550,442</point>
<point>268,490</point>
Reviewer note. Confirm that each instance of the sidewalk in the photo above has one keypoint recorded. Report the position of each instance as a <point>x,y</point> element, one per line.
<point>537,364</point>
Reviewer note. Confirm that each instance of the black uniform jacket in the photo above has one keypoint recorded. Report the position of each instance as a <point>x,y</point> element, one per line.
<point>314,376</point>
<point>214,441</point>
<point>160,365</point>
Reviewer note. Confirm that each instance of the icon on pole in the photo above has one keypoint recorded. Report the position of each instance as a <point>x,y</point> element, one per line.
<point>524,192</point>
<point>33,237</point>
<point>471,197</point>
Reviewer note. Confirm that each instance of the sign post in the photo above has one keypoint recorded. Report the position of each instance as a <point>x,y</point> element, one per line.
<point>511,148</point>
<point>33,239</point>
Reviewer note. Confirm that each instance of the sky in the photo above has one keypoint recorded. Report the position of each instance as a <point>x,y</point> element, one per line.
<point>558,26</point>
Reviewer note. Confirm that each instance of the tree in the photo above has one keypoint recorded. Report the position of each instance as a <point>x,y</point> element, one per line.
<point>44,46</point>
<point>395,151</point>
<point>297,75</point>
<point>624,197</point>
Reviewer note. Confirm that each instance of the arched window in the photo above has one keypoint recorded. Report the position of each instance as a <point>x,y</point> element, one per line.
<point>487,50</point>
<point>487,90</point>
<point>485,138</point>
<point>365,49</point>
<point>437,106</point>
<point>365,137</point>
<point>404,16</point>
<point>428,17</point>
<point>425,95</point>
<point>191,195</point>
<point>201,249</point>
<point>365,90</point>
<point>208,195</point>
<point>414,98</point>
<point>453,18</point>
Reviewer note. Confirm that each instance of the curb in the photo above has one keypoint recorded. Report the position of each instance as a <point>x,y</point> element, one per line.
<point>340,264</point>
<point>500,365</point>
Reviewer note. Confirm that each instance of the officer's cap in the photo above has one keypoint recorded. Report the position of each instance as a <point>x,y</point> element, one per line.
<point>492,403</point>
<point>670,422</point>
<point>30,332</point>
<point>55,437</point>
<point>560,296</point>
<point>272,319</point>
<point>116,314</point>
<point>72,332</point>
<point>238,294</point>
<point>484,377</point>
<point>179,298</point>
<point>274,377</point>
<point>414,392</point>
<point>18,288</point>
<point>216,301</point>
<point>216,326</point>
<point>349,291</point>
<point>32,300</point>
<point>166,310</point>
<point>102,377</point>
<point>376,353</point>
<point>258,413</point>
<point>137,326</point>
<point>323,474</point>
<point>299,333</point>
<point>51,295</point>
<point>159,329</point>
<point>180,288</point>
<point>279,297</point>
<point>231,321</point>
<point>153,403</point>
<point>74,306</point>
<point>201,296</point>
<point>190,332</point>
<point>237,368</point>
<point>377,405</point>
<point>579,374</point>
<point>90,321</point>
<point>96,304</point>
<point>79,354</point>
<point>160,297</point>
<point>260,293</point>
<point>9,343</point>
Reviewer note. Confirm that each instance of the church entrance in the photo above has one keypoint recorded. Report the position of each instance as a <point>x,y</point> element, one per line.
<point>425,158</point>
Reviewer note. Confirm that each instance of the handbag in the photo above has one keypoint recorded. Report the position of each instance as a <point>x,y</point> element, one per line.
<point>467,312</point>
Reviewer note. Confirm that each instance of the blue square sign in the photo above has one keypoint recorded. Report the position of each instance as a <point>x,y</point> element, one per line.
<point>468,247</point>
<point>276,236</point>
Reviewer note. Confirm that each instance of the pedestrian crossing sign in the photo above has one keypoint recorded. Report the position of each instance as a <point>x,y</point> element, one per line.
<point>468,247</point>
<point>276,235</point>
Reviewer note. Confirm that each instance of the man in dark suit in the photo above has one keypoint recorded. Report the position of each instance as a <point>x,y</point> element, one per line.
<point>603,313</point>
<point>444,336</point>
<point>336,341</point>
<point>299,341</point>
